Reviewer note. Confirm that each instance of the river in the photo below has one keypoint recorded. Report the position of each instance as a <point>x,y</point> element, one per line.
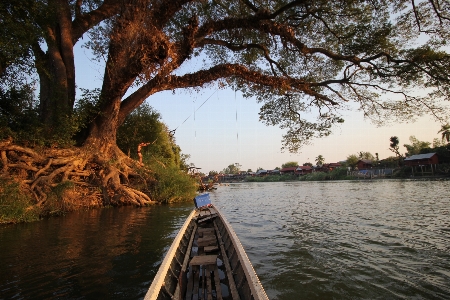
<point>379,239</point>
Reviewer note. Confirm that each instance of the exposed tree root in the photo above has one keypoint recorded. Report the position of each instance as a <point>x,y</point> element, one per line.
<point>104,179</point>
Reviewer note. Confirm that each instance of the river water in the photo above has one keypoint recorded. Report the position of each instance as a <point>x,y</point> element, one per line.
<point>380,239</point>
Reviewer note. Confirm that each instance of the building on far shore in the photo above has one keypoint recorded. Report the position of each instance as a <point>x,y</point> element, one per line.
<point>422,159</point>
<point>364,164</point>
<point>304,170</point>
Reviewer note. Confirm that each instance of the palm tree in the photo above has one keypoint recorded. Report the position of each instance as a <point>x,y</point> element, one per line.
<point>320,160</point>
<point>445,131</point>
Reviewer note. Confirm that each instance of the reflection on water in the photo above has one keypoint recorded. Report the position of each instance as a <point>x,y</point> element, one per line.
<point>339,240</point>
<point>95,254</point>
<point>307,240</point>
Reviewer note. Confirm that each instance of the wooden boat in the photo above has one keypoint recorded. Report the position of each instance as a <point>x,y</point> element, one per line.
<point>206,261</point>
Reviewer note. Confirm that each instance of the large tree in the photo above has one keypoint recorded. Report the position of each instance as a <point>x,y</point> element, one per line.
<point>304,60</point>
<point>416,146</point>
<point>320,160</point>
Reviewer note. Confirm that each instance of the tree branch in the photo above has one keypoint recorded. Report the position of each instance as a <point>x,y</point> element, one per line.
<point>82,23</point>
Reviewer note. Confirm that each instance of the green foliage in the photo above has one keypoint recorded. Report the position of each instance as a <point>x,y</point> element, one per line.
<point>416,146</point>
<point>443,153</point>
<point>316,176</point>
<point>232,169</point>
<point>271,178</point>
<point>390,162</point>
<point>19,119</point>
<point>55,203</point>
<point>337,174</point>
<point>403,172</point>
<point>305,61</point>
<point>87,107</point>
<point>289,164</point>
<point>15,205</point>
<point>443,169</point>
<point>394,146</point>
<point>438,143</point>
<point>352,160</point>
<point>320,160</point>
<point>17,32</point>
<point>366,155</point>
<point>171,184</point>
<point>144,125</point>
<point>18,115</point>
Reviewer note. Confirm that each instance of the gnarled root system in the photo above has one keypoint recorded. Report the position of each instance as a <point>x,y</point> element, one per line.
<point>97,179</point>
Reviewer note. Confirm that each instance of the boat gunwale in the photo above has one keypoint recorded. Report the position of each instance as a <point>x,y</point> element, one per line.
<point>158,281</point>
<point>256,287</point>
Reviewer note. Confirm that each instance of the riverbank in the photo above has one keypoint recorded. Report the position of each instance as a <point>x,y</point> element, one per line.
<point>443,172</point>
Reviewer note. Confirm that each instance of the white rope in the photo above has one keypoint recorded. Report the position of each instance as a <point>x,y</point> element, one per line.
<point>173,131</point>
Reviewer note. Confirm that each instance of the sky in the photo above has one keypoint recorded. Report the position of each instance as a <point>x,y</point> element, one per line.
<point>219,127</point>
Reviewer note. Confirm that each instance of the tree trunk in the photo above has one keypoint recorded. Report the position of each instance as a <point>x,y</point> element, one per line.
<point>56,67</point>
<point>103,131</point>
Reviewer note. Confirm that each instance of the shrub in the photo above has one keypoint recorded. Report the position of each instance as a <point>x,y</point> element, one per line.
<point>171,184</point>
<point>403,172</point>
<point>338,174</point>
<point>443,169</point>
<point>271,178</point>
<point>58,200</point>
<point>15,205</point>
<point>314,176</point>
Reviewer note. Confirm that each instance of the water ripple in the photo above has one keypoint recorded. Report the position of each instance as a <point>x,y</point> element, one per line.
<point>339,240</point>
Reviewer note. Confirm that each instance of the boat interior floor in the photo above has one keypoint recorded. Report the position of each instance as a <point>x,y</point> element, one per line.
<point>209,274</point>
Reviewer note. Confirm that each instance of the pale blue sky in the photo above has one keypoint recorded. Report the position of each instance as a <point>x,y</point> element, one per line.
<point>216,138</point>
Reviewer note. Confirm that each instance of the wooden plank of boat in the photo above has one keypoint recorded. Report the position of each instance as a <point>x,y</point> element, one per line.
<point>194,269</point>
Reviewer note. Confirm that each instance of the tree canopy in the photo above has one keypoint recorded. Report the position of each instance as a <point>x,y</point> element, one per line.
<point>289,164</point>
<point>304,61</point>
<point>320,160</point>
<point>352,160</point>
<point>232,169</point>
<point>394,146</point>
<point>366,155</point>
<point>416,146</point>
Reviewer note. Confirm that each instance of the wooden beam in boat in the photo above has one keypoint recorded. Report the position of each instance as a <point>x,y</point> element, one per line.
<point>202,231</point>
<point>207,241</point>
<point>208,249</point>
<point>203,260</point>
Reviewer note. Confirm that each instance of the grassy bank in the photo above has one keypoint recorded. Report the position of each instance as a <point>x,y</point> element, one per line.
<point>15,203</point>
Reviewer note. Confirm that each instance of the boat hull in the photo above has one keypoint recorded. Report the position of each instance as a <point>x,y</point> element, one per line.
<point>206,261</point>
